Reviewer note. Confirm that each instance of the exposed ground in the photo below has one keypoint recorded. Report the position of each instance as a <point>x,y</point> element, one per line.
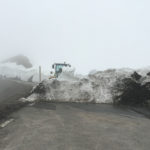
<point>71,126</point>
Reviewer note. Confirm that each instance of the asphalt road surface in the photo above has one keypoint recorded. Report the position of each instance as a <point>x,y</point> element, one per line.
<point>10,92</point>
<point>64,126</point>
<point>13,89</point>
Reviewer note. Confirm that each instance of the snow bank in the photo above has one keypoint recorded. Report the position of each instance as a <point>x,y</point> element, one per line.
<point>69,75</point>
<point>12,70</point>
<point>96,87</point>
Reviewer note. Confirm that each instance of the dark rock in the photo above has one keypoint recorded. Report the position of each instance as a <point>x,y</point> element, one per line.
<point>130,92</point>
<point>136,76</point>
<point>148,74</point>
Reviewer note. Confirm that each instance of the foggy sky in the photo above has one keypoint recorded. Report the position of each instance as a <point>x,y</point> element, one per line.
<point>89,34</point>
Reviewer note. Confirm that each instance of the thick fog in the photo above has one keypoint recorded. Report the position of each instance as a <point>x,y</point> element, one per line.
<point>89,34</point>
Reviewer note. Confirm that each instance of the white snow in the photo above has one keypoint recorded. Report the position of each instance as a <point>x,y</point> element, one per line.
<point>11,70</point>
<point>95,87</point>
<point>69,75</point>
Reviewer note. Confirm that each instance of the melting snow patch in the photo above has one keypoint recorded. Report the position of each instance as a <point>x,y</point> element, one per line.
<point>4,124</point>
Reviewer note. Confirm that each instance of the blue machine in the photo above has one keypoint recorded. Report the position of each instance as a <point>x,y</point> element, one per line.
<point>58,68</point>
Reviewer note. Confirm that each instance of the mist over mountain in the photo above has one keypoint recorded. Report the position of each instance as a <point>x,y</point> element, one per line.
<point>19,67</point>
<point>19,60</point>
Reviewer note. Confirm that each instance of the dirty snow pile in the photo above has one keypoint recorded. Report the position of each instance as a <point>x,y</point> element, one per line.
<point>95,87</point>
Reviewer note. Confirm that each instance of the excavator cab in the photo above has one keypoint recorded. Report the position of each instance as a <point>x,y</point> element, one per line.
<point>58,67</point>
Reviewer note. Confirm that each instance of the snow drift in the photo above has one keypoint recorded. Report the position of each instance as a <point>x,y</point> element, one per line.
<point>96,87</point>
<point>19,67</point>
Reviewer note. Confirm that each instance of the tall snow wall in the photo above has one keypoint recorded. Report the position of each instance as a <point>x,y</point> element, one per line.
<point>96,87</point>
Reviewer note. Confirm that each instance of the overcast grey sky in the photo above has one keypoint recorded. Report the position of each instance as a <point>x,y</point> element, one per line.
<point>89,34</point>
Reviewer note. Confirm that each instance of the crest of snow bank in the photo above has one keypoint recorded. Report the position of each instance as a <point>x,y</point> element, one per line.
<point>96,87</point>
<point>69,75</point>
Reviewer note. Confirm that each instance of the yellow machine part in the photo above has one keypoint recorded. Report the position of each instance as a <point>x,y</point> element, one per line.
<point>52,77</point>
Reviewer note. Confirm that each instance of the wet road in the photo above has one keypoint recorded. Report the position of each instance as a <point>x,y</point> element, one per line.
<point>64,126</point>
<point>10,92</point>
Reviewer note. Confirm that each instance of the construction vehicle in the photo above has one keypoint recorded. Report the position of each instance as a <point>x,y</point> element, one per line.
<point>58,68</point>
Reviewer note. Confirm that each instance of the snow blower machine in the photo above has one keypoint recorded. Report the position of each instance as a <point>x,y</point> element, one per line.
<point>58,68</point>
